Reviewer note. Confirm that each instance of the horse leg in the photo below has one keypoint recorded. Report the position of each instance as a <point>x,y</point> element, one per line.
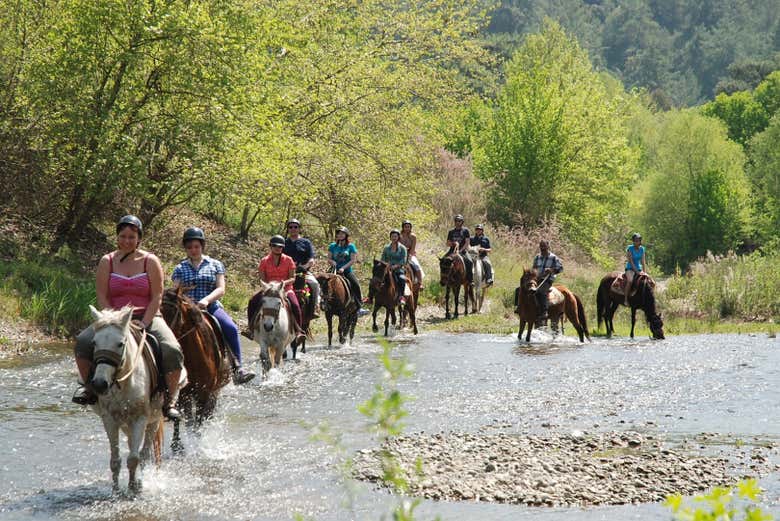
<point>520,330</point>
<point>329,320</point>
<point>112,432</point>
<point>413,316</point>
<point>265,358</point>
<point>150,439</point>
<point>530,328</point>
<point>278,359</point>
<point>176,445</point>
<point>374,327</point>
<point>134,438</point>
<point>456,295</point>
<point>633,320</point>
<point>466,289</point>
<point>447,303</point>
<point>387,319</point>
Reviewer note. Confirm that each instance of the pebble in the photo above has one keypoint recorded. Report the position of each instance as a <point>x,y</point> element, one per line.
<point>564,470</point>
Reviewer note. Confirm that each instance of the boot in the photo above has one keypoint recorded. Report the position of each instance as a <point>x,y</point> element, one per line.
<point>172,395</point>
<point>315,300</point>
<point>84,396</point>
<point>241,376</point>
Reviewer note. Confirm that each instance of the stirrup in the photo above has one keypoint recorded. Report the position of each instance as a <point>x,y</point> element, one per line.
<point>171,412</point>
<point>241,377</point>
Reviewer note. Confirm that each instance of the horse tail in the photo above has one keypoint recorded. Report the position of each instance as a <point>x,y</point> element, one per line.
<point>600,304</point>
<point>581,316</point>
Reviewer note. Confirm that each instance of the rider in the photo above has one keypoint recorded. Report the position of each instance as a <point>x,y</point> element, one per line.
<point>342,254</point>
<point>395,255</point>
<point>483,246</point>
<point>131,276</point>
<point>635,263</point>
<point>302,252</point>
<point>278,267</point>
<point>458,240</point>
<point>206,277</point>
<point>547,266</point>
<point>409,240</point>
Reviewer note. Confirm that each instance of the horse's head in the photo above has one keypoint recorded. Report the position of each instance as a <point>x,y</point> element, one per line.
<point>112,334</point>
<point>273,298</point>
<point>657,327</point>
<point>177,308</point>
<point>528,281</point>
<point>445,266</point>
<point>378,273</point>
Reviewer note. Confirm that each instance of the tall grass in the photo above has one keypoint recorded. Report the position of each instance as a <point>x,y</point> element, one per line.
<point>49,295</point>
<point>736,287</point>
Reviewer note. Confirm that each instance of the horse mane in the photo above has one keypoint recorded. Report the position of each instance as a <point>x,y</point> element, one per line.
<point>110,317</point>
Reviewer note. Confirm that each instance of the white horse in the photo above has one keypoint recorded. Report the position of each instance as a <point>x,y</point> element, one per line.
<point>123,384</point>
<point>273,325</point>
<point>477,293</point>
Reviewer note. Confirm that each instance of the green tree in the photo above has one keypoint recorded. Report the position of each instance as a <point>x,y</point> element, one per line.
<point>743,115</point>
<point>764,171</point>
<point>696,197</point>
<point>556,147</point>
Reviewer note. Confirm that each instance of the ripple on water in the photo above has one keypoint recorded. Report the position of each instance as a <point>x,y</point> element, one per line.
<point>256,458</point>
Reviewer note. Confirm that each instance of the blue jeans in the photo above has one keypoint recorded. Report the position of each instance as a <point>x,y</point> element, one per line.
<point>229,329</point>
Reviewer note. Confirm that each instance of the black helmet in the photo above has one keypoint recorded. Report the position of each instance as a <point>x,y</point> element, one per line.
<point>406,221</point>
<point>458,217</point>
<point>193,233</point>
<point>636,236</point>
<point>395,230</point>
<point>293,221</point>
<point>479,227</point>
<point>133,221</point>
<point>277,240</point>
<point>343,229</point>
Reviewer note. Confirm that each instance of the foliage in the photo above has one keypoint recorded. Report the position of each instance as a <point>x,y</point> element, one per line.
<point>696,197</point>
<point>764,172</point>
<point>721,504</point>
<point>556,145</point>
<point>679,50</point>
<point>743,115</point>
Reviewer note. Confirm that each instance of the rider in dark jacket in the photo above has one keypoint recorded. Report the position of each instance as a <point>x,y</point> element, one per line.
<point>547,266</point>
<point>302,252</point>
<point>457,241</point>
<point>481,241</point>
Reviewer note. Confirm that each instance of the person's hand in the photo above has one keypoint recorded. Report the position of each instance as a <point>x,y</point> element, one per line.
<point>139,323</point>
<point>548,271</point>
<point>203,303</point>
<point>340,271</point>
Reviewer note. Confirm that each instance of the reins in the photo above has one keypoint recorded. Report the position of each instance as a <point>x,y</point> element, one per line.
<point>134,362</point>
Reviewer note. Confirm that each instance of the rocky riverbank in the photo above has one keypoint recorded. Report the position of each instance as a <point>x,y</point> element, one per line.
<point>557,470</point>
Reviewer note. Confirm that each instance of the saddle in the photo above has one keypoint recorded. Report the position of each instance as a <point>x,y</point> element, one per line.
<point>219,336</point>
<point>152,355</point>
<point>619,285</point>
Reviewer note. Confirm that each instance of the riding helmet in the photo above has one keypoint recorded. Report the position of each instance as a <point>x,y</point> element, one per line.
<point>458,217</point>
<point>395,230</point>
<point>343,229</point>
<point>406,221</point>
<point>277,240</point>
<point>294,221</point>
<point>636,236</point>
<point>131,220</point>
<point>479,227</point>
<point>193,233</point>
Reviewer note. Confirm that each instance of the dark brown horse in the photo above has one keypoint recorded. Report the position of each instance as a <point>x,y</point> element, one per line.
<point>383,285</point>
<point>453,277</point>
<point>337,300</point>
<point>642,297</point>
<point>563,302</point>
<point>205,358</point>
<point>307,310</point>
<point>408,312</point>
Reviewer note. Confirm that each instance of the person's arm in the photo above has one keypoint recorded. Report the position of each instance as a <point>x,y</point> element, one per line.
<point>216,294</point>
<point>331,260</point>
<point>558,265</point>
<point>487,248</point>
<point>101,283</point>
<point>309,263</point>
<point>155,272</point>
<point>412,250</point>
<point>644,261</point>
<point>290,275</point>
<point>405,256</point>
<point>261,272</point>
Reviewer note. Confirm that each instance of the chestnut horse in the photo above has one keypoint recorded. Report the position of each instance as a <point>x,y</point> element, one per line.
<point>409,311</point>
<point>642,297</point>
<point>563,302</point>
<point>206,358</point>
<point>337,300</point>
<point>303,293</point>
<point>453,277</point>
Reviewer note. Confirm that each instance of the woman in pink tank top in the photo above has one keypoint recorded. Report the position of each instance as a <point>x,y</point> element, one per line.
<point>131,276</point>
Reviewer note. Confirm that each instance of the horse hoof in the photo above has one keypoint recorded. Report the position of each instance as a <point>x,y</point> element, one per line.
<point>177,447</point>
<point>374,328</point>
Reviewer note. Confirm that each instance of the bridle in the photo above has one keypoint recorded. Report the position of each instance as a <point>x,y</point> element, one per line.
<point>114,359</point>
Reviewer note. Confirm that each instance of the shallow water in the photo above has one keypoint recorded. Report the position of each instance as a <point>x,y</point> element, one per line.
<point>256,460</point>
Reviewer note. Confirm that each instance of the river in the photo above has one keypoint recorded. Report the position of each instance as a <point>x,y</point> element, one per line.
<point>256,459</point>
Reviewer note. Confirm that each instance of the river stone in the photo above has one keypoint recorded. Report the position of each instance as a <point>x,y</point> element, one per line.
<point>553,470</point>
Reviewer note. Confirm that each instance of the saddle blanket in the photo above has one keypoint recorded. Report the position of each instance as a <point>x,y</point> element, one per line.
<point>619,286</point>
<point>556,297</point>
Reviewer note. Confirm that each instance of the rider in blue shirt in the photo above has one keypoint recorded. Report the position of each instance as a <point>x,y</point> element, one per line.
<point>302,252</point>
<point>635,263</point>
<point>481,241</point>
<point>207,276</point>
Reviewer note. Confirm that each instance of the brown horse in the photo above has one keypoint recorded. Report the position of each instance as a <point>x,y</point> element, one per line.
<point>337,300</point>
<point>205,358</point>
<point>408,312</point>
<point>307,310</point>
<point>642,296</point>
<point>453,277</point>
<point>383,285</point>
<point>563,302</point>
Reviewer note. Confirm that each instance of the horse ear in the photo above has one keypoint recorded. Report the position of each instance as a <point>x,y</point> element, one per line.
<point>263,286</point>
<point>94,312</point>
<point>127,316</point>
